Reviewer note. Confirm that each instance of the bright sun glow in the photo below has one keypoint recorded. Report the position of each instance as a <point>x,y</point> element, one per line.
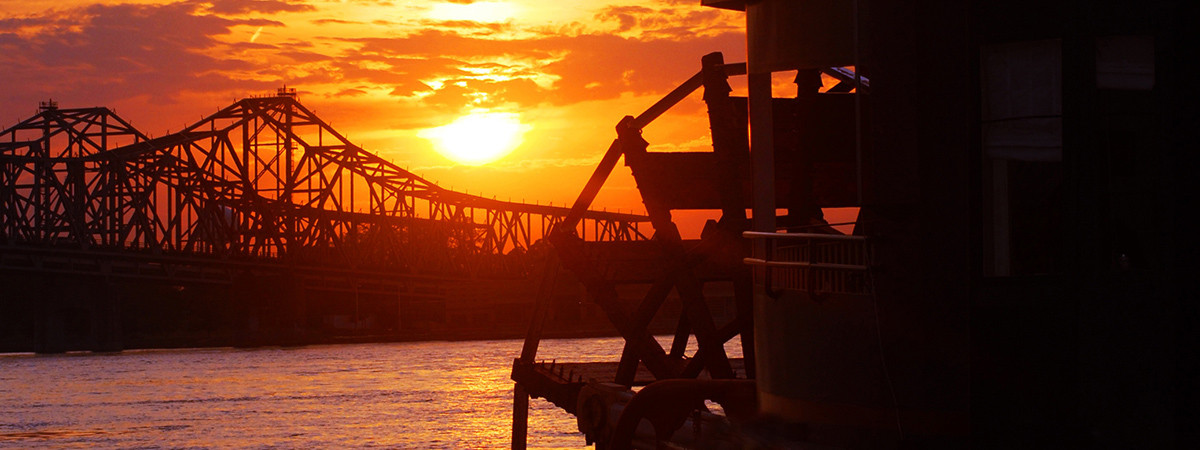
<point>477,138</point>
<point>476,11</point>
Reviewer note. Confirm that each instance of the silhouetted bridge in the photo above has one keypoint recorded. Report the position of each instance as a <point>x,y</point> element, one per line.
<point>261,190</point>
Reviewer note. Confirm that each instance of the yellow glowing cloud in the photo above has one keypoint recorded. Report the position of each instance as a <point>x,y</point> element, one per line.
<point>476,11</point>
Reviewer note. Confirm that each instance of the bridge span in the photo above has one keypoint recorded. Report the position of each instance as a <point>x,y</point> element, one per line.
<point>263,198</point>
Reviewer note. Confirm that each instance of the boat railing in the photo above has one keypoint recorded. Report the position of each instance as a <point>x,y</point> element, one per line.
<point>815,263</point>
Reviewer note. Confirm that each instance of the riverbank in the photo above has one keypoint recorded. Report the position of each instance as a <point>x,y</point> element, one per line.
<point>58,314</point>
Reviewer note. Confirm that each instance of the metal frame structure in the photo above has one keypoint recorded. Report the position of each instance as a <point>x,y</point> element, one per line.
<point>665,264</point>
<point>676,382</point>
<point>262,178</point>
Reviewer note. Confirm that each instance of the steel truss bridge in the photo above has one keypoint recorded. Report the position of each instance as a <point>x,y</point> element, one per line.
<point>263,179</point>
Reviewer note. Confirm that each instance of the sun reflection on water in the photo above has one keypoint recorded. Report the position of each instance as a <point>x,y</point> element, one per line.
<point>408,395</point>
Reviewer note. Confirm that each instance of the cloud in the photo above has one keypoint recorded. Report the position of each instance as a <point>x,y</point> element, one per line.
<point>584,67</point>
<point>101,54</point>
<point>627,16</point>
<point>230,7</point>
<point>468,27</point>
<point>301,56</point>
<point>350,93</point>
<point>379,70</point>
<point>327,21</point>
<point>667,22</point>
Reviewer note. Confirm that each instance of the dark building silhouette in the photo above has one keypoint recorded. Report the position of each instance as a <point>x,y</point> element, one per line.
<point>1023,171</point>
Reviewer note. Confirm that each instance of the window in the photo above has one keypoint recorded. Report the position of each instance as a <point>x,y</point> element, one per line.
<point>1022,156</point>
<point>1125,62</point>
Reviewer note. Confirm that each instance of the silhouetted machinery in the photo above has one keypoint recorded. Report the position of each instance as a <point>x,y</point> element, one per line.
<point>1021,273</point>
<point>813,163</point>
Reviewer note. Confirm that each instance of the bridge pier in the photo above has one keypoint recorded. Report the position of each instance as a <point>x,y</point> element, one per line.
<point>49,332</point>
<point>245,289</point>
<point>292,300</point>
<point>76,313</point>
<point>273,309</point>
<point>106,327</point>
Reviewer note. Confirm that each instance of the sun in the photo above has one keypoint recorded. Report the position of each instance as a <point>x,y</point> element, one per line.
<point>478,138</point>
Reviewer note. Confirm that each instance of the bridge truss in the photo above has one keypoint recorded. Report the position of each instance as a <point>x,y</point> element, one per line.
<point>262,178</point>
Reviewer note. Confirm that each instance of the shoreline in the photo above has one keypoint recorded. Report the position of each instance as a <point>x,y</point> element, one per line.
<point>217,342</point>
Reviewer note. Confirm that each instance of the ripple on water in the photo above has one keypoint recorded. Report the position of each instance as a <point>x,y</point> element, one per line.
<point>406,395</point>
<point>430,395</point>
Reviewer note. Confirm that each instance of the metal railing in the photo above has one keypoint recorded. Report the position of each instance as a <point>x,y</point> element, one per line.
<point>814,263</point>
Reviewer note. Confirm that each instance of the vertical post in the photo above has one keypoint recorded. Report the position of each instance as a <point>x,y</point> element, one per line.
<point>728,133</point>
<point>762,167</point>
<point>762,154</point>
<point>288,180</point>
<point>541,310</point>
<point>858,131</point>
<point>520,426</point>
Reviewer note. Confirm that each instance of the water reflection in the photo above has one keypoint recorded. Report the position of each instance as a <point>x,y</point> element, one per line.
<point>423,395</point>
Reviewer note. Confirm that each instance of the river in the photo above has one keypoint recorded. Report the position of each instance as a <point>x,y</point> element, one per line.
<point>393,395</point>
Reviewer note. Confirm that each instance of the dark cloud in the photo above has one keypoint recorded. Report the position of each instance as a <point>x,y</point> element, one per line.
<point>337,21</point>
<point>297,43</point>
<point>14,23</point>
<point>243,46</point>
<point>103,52</point>
<point>301,56</point>
<point>350,93</point>
<point>256,6</point>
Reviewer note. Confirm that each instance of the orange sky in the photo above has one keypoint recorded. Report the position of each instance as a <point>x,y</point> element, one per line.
<point>383,71</point>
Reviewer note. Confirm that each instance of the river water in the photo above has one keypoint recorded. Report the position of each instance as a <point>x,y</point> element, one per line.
<point>393,395</point>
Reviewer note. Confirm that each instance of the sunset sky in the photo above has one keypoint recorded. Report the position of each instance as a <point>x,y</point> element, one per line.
<point>556,74</point>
